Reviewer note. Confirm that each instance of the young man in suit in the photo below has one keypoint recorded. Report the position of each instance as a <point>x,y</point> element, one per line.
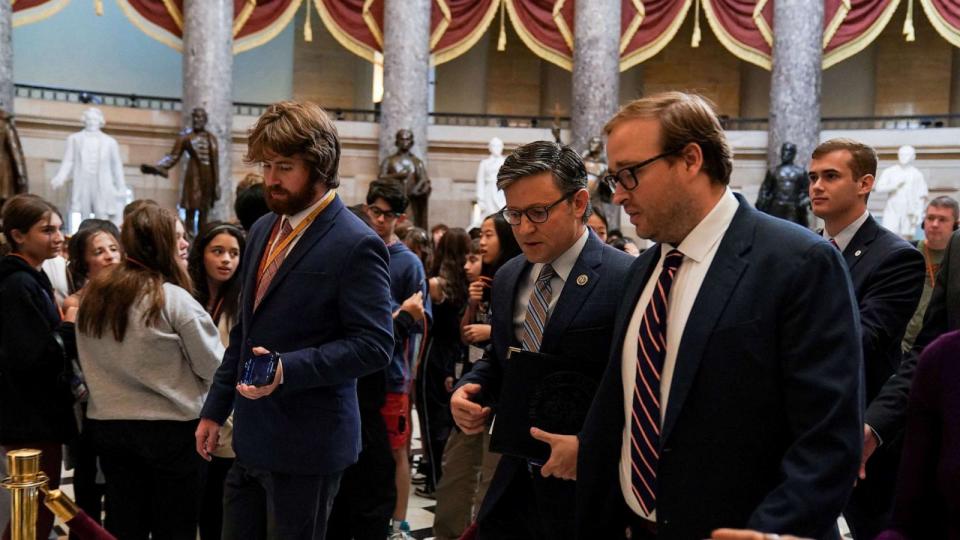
<point>316,290</point>
<point>887,274</point>
<point>558,298</point>
<point>733,395</point>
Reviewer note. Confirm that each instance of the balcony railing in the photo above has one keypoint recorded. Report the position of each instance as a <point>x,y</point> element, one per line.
<point>928,121</point>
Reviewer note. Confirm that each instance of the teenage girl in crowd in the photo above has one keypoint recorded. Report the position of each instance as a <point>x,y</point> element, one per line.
<point>214,262</point>
<point>148,351</point>
<point>36,343</point>
<point>93,250</point>
<point>467,465</point>
<point>448,292</point>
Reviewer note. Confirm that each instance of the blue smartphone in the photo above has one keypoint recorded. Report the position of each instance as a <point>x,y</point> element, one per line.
<point>260,370</point>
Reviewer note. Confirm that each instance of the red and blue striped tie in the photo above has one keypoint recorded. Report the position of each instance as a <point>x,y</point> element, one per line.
<point>651,352</point>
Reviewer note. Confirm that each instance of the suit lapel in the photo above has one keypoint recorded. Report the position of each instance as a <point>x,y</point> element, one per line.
<point>718,286</point>
<point>504,299</point>
<point>575,291</point>
<point>860,242</point>
<point>314,232</point>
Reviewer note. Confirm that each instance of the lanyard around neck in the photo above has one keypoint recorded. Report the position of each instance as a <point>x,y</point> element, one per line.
<point>283,245</point>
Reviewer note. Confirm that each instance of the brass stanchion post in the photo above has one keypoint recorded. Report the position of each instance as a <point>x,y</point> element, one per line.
<point>24,483</point>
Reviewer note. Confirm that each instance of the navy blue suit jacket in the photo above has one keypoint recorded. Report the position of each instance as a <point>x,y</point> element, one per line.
<point>763,428</point>
<point>327,312</point>
<point>580,327</point>
<point>887,274</point>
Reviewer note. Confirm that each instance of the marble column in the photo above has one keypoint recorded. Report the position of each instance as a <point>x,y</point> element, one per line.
<point>596,68</point>
<point>208,81</point>
<point>795,81</point>
<point>406,71</point>
<point>6,56</point>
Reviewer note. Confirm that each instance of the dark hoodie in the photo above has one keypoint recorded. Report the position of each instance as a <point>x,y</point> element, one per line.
<point>35,399</point>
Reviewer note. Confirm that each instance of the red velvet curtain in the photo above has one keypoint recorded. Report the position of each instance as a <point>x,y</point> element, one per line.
<point>254,23</point>
<point>31,11</point>
<point>945,17</point>
<point>455,25</point>
<point>745,27</point>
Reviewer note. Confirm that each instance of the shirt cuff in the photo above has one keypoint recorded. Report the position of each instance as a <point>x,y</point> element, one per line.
<point>875,434</point>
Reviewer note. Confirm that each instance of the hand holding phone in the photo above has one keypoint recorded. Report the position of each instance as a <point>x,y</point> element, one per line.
<point>268,370</point>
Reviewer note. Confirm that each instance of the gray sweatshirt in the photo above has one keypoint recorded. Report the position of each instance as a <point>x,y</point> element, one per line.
<point>155,373</point>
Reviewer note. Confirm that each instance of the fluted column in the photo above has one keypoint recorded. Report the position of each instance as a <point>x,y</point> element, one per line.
<point>208,80</point>
<point>596,68</point>
<point>795,82</point>
<point>406,71</point>
<point>6,56</point>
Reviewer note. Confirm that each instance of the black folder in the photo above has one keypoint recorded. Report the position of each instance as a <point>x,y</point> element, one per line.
<point>545,391</point>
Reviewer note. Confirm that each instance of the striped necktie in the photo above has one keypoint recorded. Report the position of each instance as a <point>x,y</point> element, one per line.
<point>536,319</point>
<point>271,271</point>
<point>651,352</point>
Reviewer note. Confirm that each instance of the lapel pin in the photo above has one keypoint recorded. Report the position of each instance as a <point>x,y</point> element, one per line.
<point>582,280</point>
<point>857,253</point>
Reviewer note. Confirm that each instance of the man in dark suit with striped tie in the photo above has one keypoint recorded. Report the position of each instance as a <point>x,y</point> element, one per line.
<point>733,396</point>
<point>558,298</point>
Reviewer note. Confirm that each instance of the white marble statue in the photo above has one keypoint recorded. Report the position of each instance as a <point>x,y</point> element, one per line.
<point>92,161</point>
<point>908,194</point>
<point>490,199</point>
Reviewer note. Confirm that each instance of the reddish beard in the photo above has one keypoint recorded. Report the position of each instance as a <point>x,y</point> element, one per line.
<point>295,201</point>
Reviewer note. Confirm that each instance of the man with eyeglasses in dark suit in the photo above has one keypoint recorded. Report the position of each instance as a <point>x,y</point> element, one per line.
<point>558,298</point>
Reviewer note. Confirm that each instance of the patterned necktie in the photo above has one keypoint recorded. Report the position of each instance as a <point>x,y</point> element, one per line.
<point>536,319</point>
<point>651,352</point>
<point>271,271</point>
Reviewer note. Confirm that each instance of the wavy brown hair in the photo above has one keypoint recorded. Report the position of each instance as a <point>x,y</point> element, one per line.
<point>149,244</point>
<point>289,128</point>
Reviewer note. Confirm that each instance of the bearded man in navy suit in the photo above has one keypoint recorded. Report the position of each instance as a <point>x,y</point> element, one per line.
<point>316,290</point>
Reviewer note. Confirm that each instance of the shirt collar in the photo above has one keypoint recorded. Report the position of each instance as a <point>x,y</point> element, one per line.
<point>563,264</point>
<point>710,230</point>
<point>844,237</point>
<point>295,219</point>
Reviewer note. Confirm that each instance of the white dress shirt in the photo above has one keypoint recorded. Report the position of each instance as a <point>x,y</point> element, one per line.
<point>562,266</point>
<point>844,237</point>
<point>699,249</point>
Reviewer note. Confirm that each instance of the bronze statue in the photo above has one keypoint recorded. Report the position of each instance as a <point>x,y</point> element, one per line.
<point>201,185</point>
<point>13,168</point>
<point>406,168</point>
<point>595,161</point>
<point>784,191</point>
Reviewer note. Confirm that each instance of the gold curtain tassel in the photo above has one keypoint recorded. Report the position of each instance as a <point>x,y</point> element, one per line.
<point>908,30</point>
<point>695,40</point>
<point>307,29</point>
<point>502,40</point>
<point>98,7</point>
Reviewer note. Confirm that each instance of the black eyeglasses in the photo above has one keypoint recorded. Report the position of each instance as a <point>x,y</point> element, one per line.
<point>627,176</point>
<point>536,214</point>
<point>377,213</point>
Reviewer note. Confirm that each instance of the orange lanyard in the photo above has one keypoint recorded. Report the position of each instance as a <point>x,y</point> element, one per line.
<point>282,246</point>
<point>931,268</point>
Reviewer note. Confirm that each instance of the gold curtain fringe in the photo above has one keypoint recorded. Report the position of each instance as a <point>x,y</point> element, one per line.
<point>307,29</point>
<point>502,40</point>
<point>695,40</point>
<point>908,30</point>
